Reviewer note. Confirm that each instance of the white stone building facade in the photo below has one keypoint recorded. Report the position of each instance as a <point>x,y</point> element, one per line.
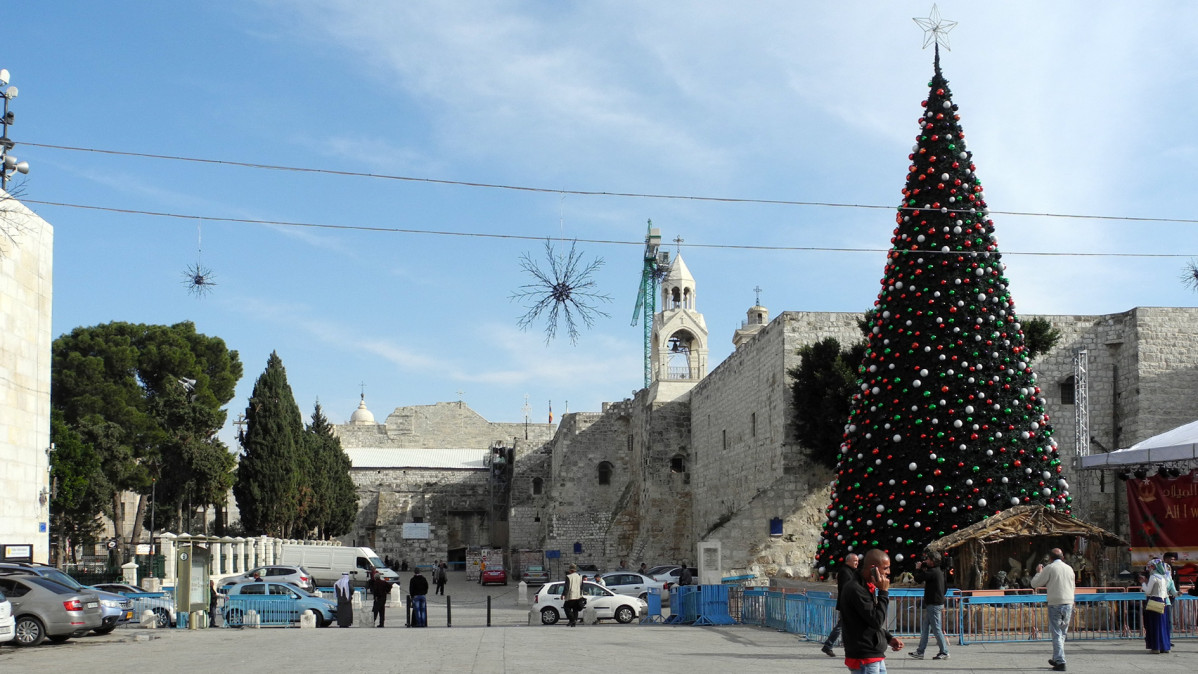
<point>26,292</point>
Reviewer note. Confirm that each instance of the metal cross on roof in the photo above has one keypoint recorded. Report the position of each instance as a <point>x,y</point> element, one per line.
<point>935,29</point>
<point>757,289</point>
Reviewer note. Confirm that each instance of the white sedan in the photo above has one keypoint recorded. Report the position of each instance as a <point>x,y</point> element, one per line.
<point>607,604</point>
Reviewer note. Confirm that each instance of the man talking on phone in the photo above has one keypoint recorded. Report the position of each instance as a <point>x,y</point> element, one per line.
<point>863,616</point>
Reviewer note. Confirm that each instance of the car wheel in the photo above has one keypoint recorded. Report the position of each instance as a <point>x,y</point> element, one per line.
<point>625,614</point>
<point>163,617</point>
<point>104,630</point>
<point>28,631</point>
<point>233,617</point>
<point>549,616</point>
<point>644,596</point>
<point>58,638</point>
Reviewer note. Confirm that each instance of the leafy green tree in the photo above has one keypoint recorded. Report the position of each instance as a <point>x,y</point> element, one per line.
<point>126,387</point>
<point>80,489</point>
<point>336,495</point>
<point>823,387</point>
<point>269,485</point>
<point>1039,337</point>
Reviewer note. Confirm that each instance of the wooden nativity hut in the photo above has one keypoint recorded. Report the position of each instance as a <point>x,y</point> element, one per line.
<point>1004,549</point>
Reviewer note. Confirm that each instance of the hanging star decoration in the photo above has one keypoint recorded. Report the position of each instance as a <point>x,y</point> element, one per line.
<point>564,289</point>
<point>198,279</point>
<point>1190,276</point>
<point>935,29</point>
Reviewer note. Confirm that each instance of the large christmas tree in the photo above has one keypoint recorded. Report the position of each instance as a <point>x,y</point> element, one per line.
<point>948,426</point>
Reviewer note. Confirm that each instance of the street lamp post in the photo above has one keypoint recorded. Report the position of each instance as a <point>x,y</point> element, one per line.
<point>9,165</point>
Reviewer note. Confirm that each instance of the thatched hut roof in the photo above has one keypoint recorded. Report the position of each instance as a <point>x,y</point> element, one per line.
<point>1022,522</point>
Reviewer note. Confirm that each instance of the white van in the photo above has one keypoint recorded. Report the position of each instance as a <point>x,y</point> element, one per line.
<point>326,563</point>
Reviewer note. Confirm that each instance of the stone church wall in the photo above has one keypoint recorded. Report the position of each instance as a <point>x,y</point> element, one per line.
<point>453,502</point>
<point>439,426</point>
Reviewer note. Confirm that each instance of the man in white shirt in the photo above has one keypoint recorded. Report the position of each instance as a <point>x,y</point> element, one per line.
<point>1058,577</point>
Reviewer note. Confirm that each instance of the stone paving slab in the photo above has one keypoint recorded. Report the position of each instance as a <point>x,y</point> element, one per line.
<point>531,650</point>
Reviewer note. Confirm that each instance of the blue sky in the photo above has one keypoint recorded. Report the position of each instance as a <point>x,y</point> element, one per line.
<point>1073,107</point>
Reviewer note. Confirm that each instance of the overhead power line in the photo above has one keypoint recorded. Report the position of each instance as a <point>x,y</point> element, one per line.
<point>549,190</point>
<point>527,237</point>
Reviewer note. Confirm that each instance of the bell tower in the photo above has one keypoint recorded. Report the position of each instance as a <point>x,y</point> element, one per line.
<point>679,331</point>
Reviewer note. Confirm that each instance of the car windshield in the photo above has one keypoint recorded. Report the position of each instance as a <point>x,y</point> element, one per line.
<point>376,562</point>
<point>658,569</point>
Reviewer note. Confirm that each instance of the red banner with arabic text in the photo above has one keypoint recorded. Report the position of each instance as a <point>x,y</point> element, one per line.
<point>1163,514</point>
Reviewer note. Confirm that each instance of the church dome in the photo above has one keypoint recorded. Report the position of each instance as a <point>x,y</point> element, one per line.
<point>362,415</point>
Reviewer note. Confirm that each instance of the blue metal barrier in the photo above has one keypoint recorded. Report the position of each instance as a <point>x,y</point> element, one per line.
<point>240,611</point>
<point>653,599</point>
<point>160,603</point>
<point>684,605</point>
<point>712,605</point>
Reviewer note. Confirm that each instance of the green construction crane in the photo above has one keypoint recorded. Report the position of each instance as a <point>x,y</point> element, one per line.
<point>655,263</point>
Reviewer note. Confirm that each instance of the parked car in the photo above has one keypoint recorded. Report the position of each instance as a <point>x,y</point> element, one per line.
<point>633,584</point>
<point>284,602</point>
<point>535,575</point>
<point>275,573</point>
<point>671,573</point>
<point>6,619</point>
<point>493,574</point>
<point>607,604</point>
<point>45,609</point>
<point>116,609</point>
<point>161,603</point>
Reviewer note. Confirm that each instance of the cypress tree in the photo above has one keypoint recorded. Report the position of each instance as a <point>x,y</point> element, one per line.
<point>268,476</point>
<point>336,496</point>
<point>947,426</point>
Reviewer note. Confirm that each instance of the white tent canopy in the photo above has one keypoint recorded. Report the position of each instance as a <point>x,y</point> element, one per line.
<point>1179,444</point>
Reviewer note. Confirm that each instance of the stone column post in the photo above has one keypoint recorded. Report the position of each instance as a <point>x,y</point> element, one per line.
<point>214,551</point>
<point>226,545</point>
<point>268,550</point>
<point>239,563</point>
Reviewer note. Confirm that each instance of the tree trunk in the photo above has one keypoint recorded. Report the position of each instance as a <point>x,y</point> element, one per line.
<point>204,519</point>
<point>118,521</point>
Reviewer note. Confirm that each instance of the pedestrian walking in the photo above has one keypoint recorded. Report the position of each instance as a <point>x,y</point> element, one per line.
<point>380,590</point>
<point>863,612</point>
<point>442,577</point>
<point>572,595</point>
<point>213,594</point>
<point>685,577</point>
<point>928,572</point>
<point>1058,577</point>
<point>1170,560</point>
<point>1158,592</point>
<point>844,575</point>
<point>418,588</point>
<point>345,601</point>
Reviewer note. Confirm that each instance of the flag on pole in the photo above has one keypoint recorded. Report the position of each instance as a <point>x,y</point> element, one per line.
<point>550,411</point>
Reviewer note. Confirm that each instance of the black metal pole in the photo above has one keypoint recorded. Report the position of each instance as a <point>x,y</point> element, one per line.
<point>407,611</point>
<point>488,610</point>
<point>448,611</point>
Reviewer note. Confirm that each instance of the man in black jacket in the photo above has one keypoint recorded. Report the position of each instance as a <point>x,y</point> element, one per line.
<point>933,605</point>
<point>844,575</point>
<point>863,613</point>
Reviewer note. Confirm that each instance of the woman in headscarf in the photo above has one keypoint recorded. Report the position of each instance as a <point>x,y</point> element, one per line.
<point>345,601</point>
<point>1156,627</point>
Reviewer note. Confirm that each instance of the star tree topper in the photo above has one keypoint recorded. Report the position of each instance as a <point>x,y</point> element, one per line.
<point>935,29</point>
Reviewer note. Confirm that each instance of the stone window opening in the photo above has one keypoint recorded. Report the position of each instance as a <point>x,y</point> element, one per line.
<point>675,298</point>
<point>605,471</point>
<point>760,318</point>
<point>630,442</point>
<point>538,486</point>
<point>724,436</point>
<point>753,424</point>
<point>1069,391</point>
<point>678,464</point>
<point>688,299</point>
